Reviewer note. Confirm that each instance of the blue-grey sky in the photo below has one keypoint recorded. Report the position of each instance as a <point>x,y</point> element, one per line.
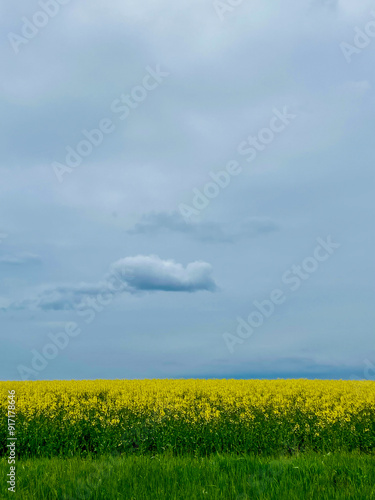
<point>187,189</point>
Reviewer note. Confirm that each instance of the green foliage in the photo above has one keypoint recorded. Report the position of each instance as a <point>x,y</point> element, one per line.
<point>169,477</point>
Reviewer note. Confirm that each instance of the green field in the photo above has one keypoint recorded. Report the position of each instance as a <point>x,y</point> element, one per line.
<point>102,417</point>
<point>227,477</point>
<point>190,439</point>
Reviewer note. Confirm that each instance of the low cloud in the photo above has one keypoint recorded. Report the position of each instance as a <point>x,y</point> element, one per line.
<point>141,273</point>
<point>20,259</point>
<point>211,232</point>
<point>152,273</point>
<point>61,297</point>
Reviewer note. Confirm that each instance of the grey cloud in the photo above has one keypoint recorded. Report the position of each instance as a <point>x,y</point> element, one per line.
<point>330,4</point>
<point>20,259</point>
<point>61,297</point>
<point>152,273</point>
<point>211,232</point>
<point>135,274</point>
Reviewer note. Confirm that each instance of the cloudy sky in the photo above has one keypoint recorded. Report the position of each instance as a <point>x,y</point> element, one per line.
<point>187,189</point>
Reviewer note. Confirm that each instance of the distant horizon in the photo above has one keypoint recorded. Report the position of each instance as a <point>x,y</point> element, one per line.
<point>198,378</point>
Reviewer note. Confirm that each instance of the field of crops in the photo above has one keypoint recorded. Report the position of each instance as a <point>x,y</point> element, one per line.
<point>68,418</point>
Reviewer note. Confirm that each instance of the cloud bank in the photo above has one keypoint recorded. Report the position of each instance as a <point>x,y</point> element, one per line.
<point>209,232</point>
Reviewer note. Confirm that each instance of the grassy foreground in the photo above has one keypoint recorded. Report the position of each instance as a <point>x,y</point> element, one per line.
<point>229,477</point>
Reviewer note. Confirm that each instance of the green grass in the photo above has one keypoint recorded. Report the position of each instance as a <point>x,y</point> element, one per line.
<point>228,477</point>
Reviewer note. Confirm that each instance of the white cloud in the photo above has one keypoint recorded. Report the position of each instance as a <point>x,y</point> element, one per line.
<point>152,273</point>
<point>135,274</point>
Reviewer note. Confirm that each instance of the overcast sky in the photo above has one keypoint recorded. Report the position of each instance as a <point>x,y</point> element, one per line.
<point>223,147</point>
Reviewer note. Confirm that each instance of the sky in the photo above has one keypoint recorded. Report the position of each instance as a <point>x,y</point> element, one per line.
<point>187,189</point>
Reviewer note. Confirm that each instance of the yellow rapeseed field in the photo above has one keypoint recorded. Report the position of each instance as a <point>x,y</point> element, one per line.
<point>197,416</point>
